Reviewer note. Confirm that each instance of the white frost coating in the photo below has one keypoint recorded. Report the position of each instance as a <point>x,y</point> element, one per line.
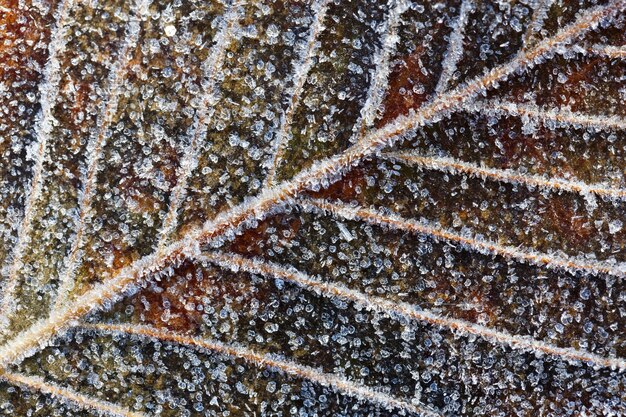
<point>97,142</point>
<point>456,166</point>
<point>320,174</point>
<point>455,48</point>
<point>48,90</point>
<point>526,255</point>
<point>67,395</point>
<point>212,68</point>
<point>559,116</point>
<point>339,383</point>
<point>301,70</point>
<point>393,308</point>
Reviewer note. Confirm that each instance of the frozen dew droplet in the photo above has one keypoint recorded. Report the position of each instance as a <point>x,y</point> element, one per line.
<point>170,30</point>
<point>615,226</point>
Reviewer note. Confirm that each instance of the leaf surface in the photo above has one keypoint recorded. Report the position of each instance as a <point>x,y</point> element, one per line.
<point>313,208</point>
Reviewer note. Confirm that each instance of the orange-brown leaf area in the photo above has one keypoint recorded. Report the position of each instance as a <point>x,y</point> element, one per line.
<point>571,86</point>
<point>423,40</point>
<point>312,208</point>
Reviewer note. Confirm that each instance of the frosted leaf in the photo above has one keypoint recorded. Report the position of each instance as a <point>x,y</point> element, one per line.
<point>313,208</point>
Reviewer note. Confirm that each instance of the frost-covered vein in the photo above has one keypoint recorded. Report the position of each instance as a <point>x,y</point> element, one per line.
<point>48,91</point>
<point>456,99</point>
<point>546,116</point>
<point>455,47</point>
<point>393,308</point>
<point>380,77</point>
<point>67,395</point>
<point>526,255</point>
<point>300,72</point>
<point>323,173</point>
<point>375,92</point>
<point>540,13</point>
<point>606,51</point>
<point>336,382</point>
<point>456,166</point>
<point>212,68</point>
<point>97,142</point>
<point>38,335</point>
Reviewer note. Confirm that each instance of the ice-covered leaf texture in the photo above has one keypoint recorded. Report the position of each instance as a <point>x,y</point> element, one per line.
<point>312,208</point>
